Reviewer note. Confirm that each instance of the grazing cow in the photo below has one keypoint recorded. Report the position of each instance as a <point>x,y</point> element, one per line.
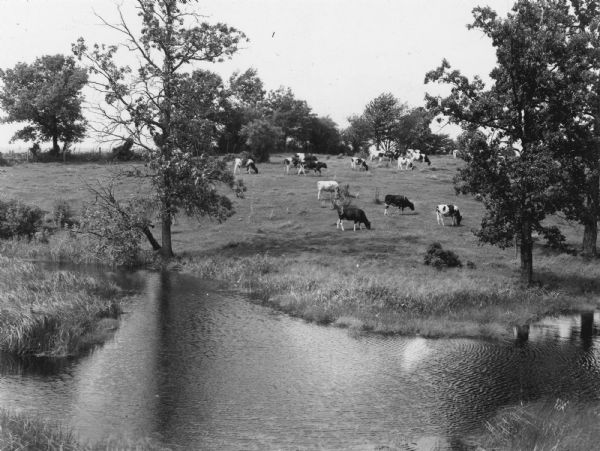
<point>374,153</point>
<point>444,210</point>
<point>312,165</point>
<point>358,163</point>
<point>250,165</point>
<point>291,162</point>
<point>237,164</point>
<point>351,213</point>
<point>330,186</point>
<point>405,163</point>
<point>422,158</point>
<point>287,163</point>
<point>401,202</point>
<point>412,153</point>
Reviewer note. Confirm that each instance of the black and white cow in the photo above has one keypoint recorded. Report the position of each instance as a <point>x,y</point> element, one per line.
<point>312,165</point>
<point>375,153</point>
<point>422,158</point>
<point>446,210</point>
<point>399,201</point>
<point>405,163</point>
<point>250,165</point>
<point>291,162</point>
<point>358,163</point>
<point>353,214</point>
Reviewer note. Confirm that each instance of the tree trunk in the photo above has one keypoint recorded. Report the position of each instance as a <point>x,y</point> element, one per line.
<point>55,146</point>
<point>590,223</point>
<point>166,249</point>
<point>151,238</point>
<point>590,236</point>
<point>526,253</point>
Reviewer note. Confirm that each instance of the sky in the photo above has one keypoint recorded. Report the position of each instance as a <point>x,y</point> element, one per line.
<point>336,54</point>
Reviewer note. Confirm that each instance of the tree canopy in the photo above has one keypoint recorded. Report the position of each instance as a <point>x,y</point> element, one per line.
<point>536,47</point>
<point>167,111</point>
<point>47,96</point>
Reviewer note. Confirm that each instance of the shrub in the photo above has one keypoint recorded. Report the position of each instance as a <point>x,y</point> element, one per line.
<point>3,161</point>
<point>18,219</point>
<point>62,214</point>
<point>115,236</point>
<point>438,257</point>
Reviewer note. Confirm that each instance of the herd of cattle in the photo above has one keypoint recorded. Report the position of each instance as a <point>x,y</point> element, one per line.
<point>303,162</point>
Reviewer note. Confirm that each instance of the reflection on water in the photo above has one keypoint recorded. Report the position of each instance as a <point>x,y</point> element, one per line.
<point>197,367</point>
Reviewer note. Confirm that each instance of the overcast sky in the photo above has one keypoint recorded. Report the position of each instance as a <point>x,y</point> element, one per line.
<point>335,54</point>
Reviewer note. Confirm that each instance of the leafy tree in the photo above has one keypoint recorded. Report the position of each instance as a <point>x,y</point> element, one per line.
<point>518,193</point>
<point>382,115</point>
<point>413,131</point>
<point>575,111</point>
<point>261,138</point>
<point>199,98</point>
<point>243,105</point>
<point>47,95</point>
<point>324,135</point>
<point>151,104</point>
<point>357,134</point>
<point>246,89</point>
<point>293,116</point>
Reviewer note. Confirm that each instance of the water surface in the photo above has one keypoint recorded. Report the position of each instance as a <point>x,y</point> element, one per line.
<point>198,367</point>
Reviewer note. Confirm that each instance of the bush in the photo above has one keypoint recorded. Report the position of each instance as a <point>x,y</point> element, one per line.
<point>438,258</point>
<point>63,215</point>
<point>18,219</point>
<point>3,161</point>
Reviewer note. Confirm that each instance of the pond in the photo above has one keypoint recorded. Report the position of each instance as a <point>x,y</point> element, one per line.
<point>198,367</point>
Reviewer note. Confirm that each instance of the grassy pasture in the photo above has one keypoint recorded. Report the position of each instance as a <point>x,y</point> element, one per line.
<point>282,247</point>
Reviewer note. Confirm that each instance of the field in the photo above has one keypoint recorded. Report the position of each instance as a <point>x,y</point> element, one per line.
<point>282,247</point>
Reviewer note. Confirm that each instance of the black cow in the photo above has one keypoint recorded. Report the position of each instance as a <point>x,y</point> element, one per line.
<point>401,202</point>
<point>312,165</point>
<point>351,213</point>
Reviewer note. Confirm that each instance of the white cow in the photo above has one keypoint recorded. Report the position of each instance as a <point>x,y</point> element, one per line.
<point>455,153</point>
<point>237,165</point>
<point>405,163</point>
<point>330,186</point>
<point>374,153</point>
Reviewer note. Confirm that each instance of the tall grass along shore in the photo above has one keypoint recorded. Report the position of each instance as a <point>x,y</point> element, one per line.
<point>373,297</point>
<point>538,426</point>
<point>53,313</point>
<point>19,431</point>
